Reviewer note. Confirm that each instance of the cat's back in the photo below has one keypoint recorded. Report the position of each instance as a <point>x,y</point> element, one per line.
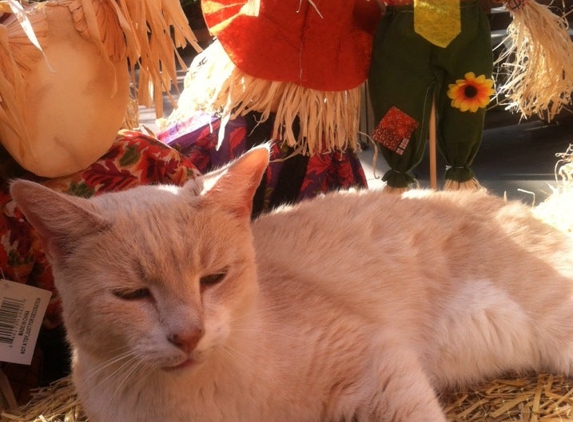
<point>365,244</point>
<point>339,222</point>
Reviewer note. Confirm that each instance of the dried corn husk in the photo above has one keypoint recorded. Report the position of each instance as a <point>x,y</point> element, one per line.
<point>60,114</point>
<point>328,119</point>
<point>538,61</point>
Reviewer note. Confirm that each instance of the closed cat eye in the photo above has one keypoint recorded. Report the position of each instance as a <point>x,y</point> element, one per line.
<point>212,279</point>
<point>132,294</point>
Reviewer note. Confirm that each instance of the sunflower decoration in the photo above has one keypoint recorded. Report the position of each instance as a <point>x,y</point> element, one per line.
<point>471,93</point>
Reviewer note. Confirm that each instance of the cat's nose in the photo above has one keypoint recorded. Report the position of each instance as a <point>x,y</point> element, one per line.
<point>186,340</point>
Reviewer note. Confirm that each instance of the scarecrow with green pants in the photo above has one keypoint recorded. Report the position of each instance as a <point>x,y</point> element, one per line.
<point>416,62</point>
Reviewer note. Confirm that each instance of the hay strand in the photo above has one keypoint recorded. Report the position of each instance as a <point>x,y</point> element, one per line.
<point>542,397</point>
<point>532,398</point>
<point>55,403</point>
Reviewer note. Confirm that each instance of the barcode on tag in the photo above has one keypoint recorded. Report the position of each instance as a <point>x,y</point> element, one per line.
<point>11,312</point>
<point>22,310</point>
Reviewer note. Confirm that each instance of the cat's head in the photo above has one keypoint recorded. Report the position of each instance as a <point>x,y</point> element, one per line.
<point>157,273</point>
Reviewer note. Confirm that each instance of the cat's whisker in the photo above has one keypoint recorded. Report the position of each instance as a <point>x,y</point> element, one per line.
<point>131,372</point>
<point>124,371</point>
<point>233,353</point>
<point>126,356</point>
<point>276,333</point>
<point>105,364</point>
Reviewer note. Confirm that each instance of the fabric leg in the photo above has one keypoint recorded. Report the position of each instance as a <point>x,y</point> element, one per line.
<point>460,132</point>
<point>401,76</point>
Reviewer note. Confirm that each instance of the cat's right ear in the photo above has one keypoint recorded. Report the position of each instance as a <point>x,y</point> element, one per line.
<point>59,219</point>
<point>234,186</point>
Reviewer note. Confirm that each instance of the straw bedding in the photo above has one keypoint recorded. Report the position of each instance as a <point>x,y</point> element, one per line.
<point>535,398</point>
<point>526,398</point>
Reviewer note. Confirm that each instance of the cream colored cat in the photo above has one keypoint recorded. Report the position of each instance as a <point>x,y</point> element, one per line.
<point>350,307</point>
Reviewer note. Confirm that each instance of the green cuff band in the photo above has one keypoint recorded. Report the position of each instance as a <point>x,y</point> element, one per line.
<point>396,179</point>
<point>459,174</point>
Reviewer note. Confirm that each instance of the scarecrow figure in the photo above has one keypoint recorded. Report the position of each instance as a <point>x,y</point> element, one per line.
<point>438,53</point>
<point>286,71</point>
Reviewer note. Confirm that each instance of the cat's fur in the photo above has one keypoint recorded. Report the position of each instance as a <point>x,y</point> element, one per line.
<point>354,306</point>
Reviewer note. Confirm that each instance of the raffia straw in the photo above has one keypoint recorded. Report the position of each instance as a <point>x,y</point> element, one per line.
<point>471,184</point>
<point>539,62</point>
<point>328,119</point>
<point>564,166</point>
<point>556,209</point>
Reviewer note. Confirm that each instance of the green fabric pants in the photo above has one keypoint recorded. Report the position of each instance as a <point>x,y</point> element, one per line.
<point>407,71</point>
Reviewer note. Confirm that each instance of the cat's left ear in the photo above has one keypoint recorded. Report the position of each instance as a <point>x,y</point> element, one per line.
<point>58,218</point>
<point>234,186</point>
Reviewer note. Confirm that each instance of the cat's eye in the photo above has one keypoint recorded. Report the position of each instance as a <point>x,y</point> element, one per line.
<point>212,279</point>
<point>133,294</point>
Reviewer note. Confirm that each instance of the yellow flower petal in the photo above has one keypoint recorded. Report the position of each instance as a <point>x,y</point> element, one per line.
<point>470,76</point>
<point>471,93</point>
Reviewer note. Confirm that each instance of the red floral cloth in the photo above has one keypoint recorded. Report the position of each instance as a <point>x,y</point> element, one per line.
<point>133,159</point>
<point>197,138</point>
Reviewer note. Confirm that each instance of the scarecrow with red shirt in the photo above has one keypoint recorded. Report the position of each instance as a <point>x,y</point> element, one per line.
<point>439,53</point>
<point>285,71</point>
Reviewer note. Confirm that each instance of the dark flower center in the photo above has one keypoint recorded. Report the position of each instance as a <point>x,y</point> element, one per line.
<point>470,91</point>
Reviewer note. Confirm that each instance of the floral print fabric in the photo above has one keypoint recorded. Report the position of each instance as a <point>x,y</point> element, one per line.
<point>197,138</point>
<point>133,159</point>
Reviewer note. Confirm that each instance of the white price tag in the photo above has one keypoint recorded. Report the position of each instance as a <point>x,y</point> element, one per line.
<point>22,310</point>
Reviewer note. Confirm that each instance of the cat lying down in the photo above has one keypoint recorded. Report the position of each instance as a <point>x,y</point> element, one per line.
<point>355,306</point>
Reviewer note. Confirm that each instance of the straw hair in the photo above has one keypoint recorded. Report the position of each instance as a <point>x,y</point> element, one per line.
<point>539,62</point>
<point>328,119</point>
<point>144,32</point>
<point>17,53</point>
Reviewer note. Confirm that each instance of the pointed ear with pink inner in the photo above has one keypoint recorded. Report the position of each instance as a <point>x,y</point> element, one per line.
<point>59,219</point>
<point>234,187</point>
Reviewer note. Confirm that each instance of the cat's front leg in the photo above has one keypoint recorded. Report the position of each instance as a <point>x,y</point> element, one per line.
<point>403,392</point>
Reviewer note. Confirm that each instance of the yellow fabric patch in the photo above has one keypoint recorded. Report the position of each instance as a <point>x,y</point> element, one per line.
<point>438,21</point>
